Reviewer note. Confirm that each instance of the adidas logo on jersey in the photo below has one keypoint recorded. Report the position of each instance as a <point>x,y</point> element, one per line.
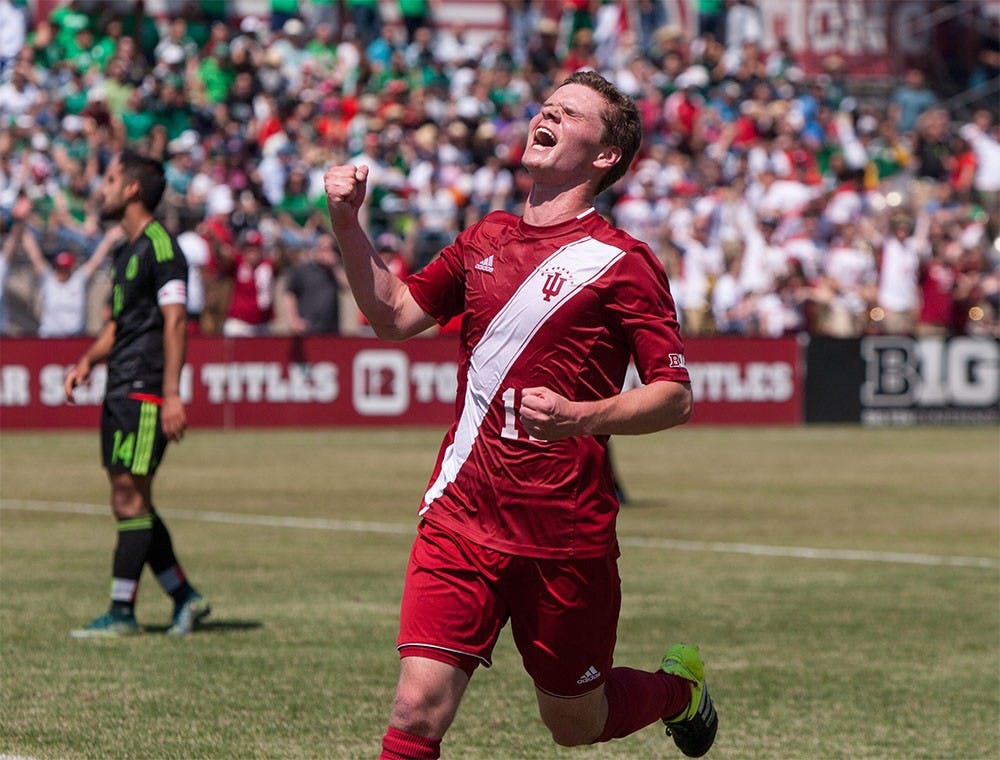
<point>486,265</point>
<point>591,674</point>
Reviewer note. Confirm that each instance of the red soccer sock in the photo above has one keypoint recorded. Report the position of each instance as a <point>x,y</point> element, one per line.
<point>400,745</point>
<point>637,698</point>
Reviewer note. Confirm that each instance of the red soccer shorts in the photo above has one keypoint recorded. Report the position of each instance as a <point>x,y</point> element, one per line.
<point>563,613</point>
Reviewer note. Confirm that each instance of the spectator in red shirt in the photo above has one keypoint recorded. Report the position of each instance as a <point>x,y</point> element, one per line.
<point>252,304</point>
<point>938,277</point>
<point>961,167</point>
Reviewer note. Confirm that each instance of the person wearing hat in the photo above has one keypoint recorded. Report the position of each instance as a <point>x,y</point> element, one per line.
<point>143,343</point>
<point>62,285</point>
<point>543,48</point>
<point>252,273</point>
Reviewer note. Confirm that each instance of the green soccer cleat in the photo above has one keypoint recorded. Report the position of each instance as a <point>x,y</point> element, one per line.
<point>107,626</point>
<point>694,729</point>
<point>188,614</point>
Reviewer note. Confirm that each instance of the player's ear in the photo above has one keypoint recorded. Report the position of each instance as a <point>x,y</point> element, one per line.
<point>132,191</point>
<point>608,157</point>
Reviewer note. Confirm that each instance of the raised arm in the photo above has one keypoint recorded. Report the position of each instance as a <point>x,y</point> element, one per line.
<point>382,297</point>
<point>11,241</point>
<point>12,237</point>
<point>34,250</point>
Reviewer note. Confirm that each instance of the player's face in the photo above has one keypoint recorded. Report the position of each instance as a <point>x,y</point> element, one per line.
<point>566,139</point>
<point>114,199</point>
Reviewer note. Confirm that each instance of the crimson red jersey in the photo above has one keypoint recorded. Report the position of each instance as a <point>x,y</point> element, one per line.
<point>566,307</point>
<point>253,291</point>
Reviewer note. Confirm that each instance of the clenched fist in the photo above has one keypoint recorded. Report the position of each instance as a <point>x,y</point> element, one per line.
<point>345,191</point>
<point>548,416</point>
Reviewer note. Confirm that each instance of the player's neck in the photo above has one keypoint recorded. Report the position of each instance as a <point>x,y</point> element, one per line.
<point>547,206</point>
<point>135,220</point>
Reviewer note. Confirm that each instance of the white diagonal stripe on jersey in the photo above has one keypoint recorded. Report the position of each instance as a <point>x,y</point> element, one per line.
<point>506,337</point>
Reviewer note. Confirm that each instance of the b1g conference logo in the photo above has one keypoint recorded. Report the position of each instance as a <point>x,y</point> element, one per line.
<point>931,373</point>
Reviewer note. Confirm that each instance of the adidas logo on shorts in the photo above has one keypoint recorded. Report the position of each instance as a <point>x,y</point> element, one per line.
<point>591,674</point>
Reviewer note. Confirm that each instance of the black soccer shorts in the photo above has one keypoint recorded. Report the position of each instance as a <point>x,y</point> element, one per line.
<point>132,439</point>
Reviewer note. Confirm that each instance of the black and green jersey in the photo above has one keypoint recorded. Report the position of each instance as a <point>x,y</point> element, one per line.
<point>147,272</point>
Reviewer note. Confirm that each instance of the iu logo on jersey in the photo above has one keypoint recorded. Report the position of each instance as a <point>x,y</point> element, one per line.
<point>555,278</point>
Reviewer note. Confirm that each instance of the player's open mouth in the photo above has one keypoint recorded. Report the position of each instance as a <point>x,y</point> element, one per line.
<point>544,138</point>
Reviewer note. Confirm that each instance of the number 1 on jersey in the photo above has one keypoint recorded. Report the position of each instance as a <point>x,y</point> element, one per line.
<point>509,414</point>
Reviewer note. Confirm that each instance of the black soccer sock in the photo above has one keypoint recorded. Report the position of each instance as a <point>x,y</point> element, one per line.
<point>135,534</point>
<point>163,562</point>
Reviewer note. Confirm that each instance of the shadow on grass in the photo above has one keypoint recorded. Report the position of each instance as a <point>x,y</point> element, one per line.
<point>212,626</point>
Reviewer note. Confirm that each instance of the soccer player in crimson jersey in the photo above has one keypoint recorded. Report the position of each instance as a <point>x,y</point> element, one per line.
<point>143,344</point>
<point>518,520</point>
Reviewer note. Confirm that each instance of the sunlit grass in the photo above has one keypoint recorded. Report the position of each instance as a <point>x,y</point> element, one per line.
<point>807,658</point>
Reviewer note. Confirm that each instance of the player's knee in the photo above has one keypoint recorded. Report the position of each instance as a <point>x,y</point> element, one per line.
<point>127,501</point>
<point>417,712</point>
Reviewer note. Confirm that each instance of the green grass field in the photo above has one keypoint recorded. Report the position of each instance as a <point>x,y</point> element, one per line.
<point>843,583</point>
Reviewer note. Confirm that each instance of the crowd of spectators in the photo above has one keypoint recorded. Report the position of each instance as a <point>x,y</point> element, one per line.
<point>778,201</point>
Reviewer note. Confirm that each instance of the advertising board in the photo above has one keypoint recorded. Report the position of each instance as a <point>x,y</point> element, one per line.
<point>903,380</point>
<point>329,381</point>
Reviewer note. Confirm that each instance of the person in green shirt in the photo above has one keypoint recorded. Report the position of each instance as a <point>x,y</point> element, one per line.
<point>137,119</point>
<point>173,109</point>
<point>295,207</point>
<point>67,21</point>
<point>42,40</point>
<point>81,51</point>
<point>101,48</point>
<point>215,74</point>
<point>70,138</point>
<point>73,94</point>
<point>322,48</point>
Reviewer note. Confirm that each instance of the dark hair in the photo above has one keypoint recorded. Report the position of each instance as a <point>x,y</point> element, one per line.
<point>622,124</point>
<point>148,172</point>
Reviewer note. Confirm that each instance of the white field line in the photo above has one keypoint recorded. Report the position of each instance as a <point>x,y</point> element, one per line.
<point>361,526</point>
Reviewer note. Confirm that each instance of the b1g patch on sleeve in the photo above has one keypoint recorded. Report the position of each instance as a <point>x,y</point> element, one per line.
<point>677,360</point>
